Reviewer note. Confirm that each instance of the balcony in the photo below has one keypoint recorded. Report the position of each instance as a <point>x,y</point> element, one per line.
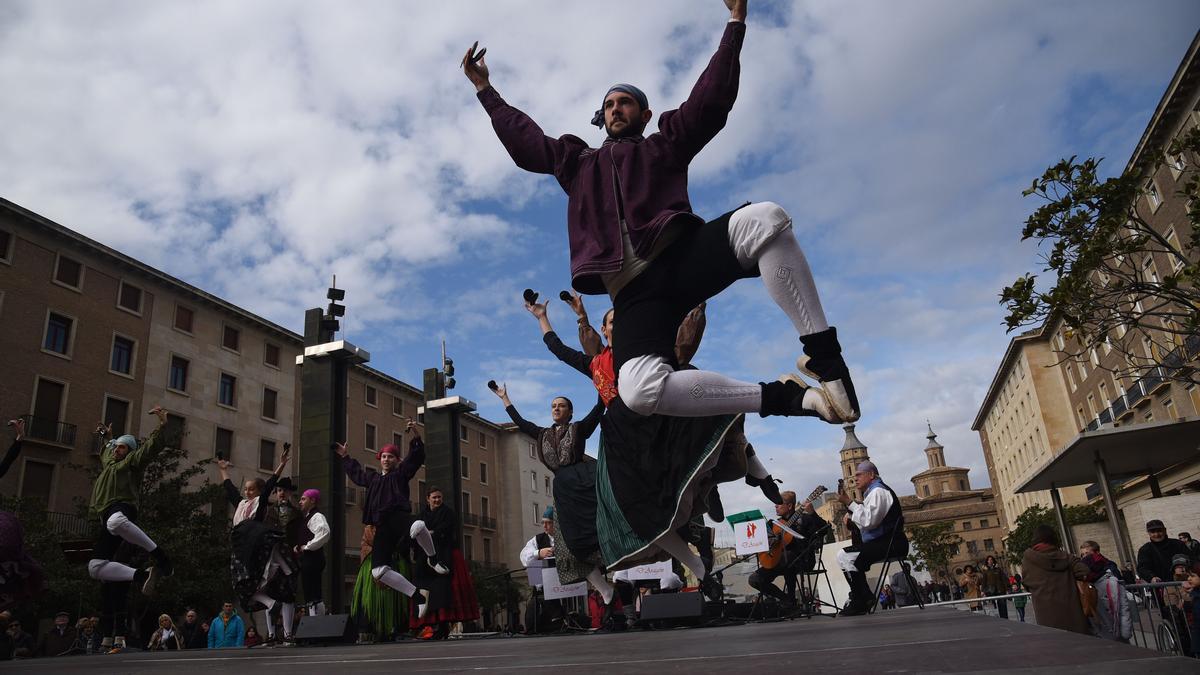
<point>1136,394</point>
<point>49,430</point>
<point>1094,424</point>
<point>487,522</point>
<point>470,519</point>
<point>1106,416</point>
<point>1119,406</point>
<point>1153,380</point>
<point>69,525</point>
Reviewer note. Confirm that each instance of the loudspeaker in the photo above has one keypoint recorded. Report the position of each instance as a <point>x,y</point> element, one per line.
<point>672,606</point>
<point>325,629</point>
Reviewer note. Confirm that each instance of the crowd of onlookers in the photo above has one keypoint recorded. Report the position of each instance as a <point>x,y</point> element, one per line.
<point>64,638</point>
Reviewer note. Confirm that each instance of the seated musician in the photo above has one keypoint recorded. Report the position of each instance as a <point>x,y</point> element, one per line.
<point>877,528</point>
<point>541,615</point>
<point>799,555</point>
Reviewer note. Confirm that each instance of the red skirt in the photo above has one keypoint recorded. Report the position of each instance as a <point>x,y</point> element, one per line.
<point>452,597</point>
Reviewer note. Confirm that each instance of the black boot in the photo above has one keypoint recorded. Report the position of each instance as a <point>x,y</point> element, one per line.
<point>784,397</point>
<point>824,361</point>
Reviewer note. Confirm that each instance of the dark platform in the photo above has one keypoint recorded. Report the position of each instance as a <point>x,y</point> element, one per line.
<point>908,640</point>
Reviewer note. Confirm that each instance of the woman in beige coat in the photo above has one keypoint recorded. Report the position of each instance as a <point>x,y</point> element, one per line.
<point>1050,576</point>
<point>971,582</point>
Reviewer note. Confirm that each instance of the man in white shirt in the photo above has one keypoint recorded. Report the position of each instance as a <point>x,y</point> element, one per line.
<point>541,616</point>
<point>312,558</point>
<point>877,526</point>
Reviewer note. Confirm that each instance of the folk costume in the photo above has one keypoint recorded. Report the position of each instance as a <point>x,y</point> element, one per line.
<point>633,235</point>
<point>281,575</point>
<point>252,545</point>
<point>314,536</point>
<point>880,536</point>
<point>387,508</point>
<point>116,495</point>
<point>378,612</point>
<point>541,615</point>
<point>561,450</point>
<point>451,596</point>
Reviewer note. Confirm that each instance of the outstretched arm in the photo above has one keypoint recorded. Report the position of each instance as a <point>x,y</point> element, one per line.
<point>525,141</point>
<point>416,452</point>
<point>707,107</point>
<point>231,493</point>
<point>589,339</point>
<point>154,443</point>
<point>588,424</point>
<point>538,310</point>
<point>18,425</point>
<point>523,424</point>
<point>357,473</point>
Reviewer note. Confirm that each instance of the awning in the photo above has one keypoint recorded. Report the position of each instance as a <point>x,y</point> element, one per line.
<point>1135,450</point>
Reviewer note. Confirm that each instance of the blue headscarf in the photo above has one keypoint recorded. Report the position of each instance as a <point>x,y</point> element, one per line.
<point>127,440</point>
<point>548,514</point>
<point>598,118</point>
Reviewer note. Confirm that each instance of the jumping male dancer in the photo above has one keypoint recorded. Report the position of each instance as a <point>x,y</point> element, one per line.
<point>633,235</point>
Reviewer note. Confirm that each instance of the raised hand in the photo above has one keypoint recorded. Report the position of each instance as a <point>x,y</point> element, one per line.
<point>18,426</point>
<point>340,449</point>
<point>501,392</point>
<point>537,309</point>
<point>411,428</point>
<point>159,412</point>
<point>102,429</point>
<point>737,9</point>
<point>223,465</point>
<point>475,67</point>
<point>575,302</point>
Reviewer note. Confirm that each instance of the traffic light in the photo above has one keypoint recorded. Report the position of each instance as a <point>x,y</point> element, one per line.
<point>329,322</point>
<point>448,371</point>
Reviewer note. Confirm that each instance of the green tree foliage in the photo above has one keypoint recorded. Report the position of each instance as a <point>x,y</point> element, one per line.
<point>932,546</point>
<point>493,588</point>
<point>188,520</point>
<point>1096,243</point>
<point>1020,537</point>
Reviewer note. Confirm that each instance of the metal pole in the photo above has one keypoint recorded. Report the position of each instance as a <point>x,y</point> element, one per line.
<point>1110,507</point>
<point>1061,517</point>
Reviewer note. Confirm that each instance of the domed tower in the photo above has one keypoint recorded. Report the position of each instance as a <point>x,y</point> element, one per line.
<point>853,451</point>
<point>939,478</point>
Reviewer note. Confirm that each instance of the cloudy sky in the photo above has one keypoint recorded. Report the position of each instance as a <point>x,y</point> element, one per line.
<point>255,149</point>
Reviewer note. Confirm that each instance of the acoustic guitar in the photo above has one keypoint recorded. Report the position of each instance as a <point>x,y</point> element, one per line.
<point>855,534</point>
<point>773,557</point>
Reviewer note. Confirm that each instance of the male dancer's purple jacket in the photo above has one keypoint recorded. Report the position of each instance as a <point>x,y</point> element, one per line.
<point>650,184</point>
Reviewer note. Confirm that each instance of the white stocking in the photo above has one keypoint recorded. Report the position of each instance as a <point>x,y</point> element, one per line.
<point>420,533</point>
<point>699,393</point>
<point>270,604</point>
<point>289,617</point>
<point>120,525</point>
<point>596,577</point>
<point>393,580</point>
<point>106,570</point>
<point>679,550</point>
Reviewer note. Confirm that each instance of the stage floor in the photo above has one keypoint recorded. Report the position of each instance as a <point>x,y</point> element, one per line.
<point>907,640</point>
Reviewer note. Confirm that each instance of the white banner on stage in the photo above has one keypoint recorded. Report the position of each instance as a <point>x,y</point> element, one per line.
<point>654,571</point>
<point>554,590</point>
<point>751,537</point>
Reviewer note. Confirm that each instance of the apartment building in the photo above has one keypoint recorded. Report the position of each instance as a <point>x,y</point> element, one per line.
<point>1023,419</point>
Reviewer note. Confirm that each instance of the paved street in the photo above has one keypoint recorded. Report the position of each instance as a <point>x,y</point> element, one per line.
<point>936,640</point>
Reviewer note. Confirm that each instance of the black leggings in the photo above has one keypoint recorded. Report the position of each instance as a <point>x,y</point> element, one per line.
<point>391,532</point>
<point>312,564</point>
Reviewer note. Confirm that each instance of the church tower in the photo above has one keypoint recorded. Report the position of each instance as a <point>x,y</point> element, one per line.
<point>939,479</point>
<point>853,451</point>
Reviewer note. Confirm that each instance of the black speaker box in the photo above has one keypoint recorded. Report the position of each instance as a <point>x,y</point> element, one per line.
<point>672,606</point>
<point>325,629</point>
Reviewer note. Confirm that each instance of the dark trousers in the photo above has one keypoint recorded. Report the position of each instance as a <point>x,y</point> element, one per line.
<point>312,564</point>
<point>391,532</point>
<point>763,579</point>
<point>1002,607</point>
<point>869,553</point>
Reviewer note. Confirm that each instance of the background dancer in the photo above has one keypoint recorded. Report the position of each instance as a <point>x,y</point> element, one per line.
<point>596,362</point>
<point>561,449</point>
<point>115,498</point>
<point>633,235</point>
<point>312,558</point>
<point>387,507</point>
<point>280,578</point>
<point>451,596</point>
<point>252,542</point>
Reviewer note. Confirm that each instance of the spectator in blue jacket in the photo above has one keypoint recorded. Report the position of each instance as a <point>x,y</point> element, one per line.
<point>226,630</point>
